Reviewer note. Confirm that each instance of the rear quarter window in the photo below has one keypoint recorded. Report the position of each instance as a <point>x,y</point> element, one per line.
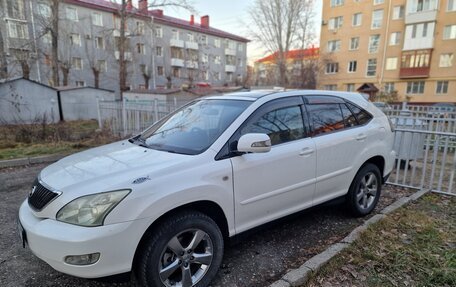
<point>361,115</point>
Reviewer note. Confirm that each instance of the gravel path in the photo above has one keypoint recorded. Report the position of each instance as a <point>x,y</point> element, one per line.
<point>256,260</point>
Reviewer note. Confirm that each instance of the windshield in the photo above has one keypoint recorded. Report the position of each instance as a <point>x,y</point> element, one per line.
<point>193,128</point>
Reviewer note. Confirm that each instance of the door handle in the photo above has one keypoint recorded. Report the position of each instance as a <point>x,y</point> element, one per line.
<point>306,151</point>
<point>361,137</point>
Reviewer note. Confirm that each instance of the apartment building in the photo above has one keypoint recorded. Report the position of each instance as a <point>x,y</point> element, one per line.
<point>407,46</point>
<point>162,51</point>
<point>267,72</point>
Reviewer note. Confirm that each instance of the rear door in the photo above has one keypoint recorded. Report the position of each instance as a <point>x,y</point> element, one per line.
<point>339,139</point>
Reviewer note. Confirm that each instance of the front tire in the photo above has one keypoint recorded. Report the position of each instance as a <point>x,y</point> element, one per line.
<point>185,250</point>
<point>365,190</point>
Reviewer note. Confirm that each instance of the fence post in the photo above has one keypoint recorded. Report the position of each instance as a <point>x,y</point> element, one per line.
<point>175,104</point>
<point>156,110</point>
<point>124,116</point>
<point>100,122</point>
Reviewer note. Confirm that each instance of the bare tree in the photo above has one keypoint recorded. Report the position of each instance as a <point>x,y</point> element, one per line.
<point>53,29</point>
<point>3,62</point>
<point>277,26</point>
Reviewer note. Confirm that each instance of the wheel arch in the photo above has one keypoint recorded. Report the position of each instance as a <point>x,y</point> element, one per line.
<point>209,208</point>
<point>378,161</point>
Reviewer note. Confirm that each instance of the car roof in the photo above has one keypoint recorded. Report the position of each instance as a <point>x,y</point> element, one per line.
<point>258,94</point>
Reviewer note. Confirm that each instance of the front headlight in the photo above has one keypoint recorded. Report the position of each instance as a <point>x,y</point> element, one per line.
<point>91,210</point>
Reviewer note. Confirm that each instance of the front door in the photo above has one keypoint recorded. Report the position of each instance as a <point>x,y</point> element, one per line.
<point>282,181</point>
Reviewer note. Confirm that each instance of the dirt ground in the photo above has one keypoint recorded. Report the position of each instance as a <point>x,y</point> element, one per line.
<point>255,261</point>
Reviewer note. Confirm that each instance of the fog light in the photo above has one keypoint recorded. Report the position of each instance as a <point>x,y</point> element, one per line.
<point>85,259</point>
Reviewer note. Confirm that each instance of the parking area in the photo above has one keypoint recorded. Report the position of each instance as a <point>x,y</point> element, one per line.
<point>256,260</point>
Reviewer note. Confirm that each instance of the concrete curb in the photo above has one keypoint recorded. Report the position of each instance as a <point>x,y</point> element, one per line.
<point>30,160</point>
<point>299,276</point>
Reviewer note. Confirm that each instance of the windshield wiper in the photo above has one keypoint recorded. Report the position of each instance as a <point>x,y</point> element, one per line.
<point>138,140</point>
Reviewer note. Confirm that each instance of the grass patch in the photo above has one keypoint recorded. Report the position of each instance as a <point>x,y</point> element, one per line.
<point>414,246</point>
<point>20,141</point>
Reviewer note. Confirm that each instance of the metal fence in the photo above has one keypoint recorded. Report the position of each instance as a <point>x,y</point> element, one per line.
<point>425,146</point>
<point>125,118</point>
<point>425,143</point>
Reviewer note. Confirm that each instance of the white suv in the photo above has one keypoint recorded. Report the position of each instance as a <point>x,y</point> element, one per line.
<point>162,203</point>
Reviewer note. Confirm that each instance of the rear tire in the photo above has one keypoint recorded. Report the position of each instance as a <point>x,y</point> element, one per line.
<point>365,190</point>
<point>185,249</point>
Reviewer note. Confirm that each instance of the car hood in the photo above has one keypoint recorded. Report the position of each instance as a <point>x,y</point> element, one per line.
<point>107,166</point>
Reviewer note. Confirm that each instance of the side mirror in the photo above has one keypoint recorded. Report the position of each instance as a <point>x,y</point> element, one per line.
<point>254,143</point>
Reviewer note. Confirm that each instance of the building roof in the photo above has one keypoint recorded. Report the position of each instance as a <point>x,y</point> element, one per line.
<point>158,17</point>
<point>69,88</point>
<point>13,79</point>
<point>292,55</point>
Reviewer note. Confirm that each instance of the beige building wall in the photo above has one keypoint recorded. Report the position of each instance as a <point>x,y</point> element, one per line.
<point>435,18</point>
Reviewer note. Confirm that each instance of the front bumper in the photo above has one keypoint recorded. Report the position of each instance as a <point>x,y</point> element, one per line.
<point>52,241</point>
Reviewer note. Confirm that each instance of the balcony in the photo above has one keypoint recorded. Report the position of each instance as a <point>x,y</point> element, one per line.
<point>421,17</point>
<point>231,52</point>
<point>191,45</point>
<point>230,68</point>
<point>116,33</point>
<point>176,43</point>
<point>177,62</point>
<point>191,64</point>
<point>414,73</point>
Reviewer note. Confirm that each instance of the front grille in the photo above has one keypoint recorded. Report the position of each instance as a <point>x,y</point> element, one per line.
<point>40,196</point>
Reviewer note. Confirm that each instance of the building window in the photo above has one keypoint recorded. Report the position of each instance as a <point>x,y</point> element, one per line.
<point>446,60</point>
<point>18,30</point>
<point>371,67</point>
<point>350,87</point>
<point>377,19</point>
<point>451,5</point>
<point>205,75</point>
<point>176,72</point>
<point>416,59</point>
<point>80,84</point>
<point>425,30</point>
<point>44,10</point>
<point>72,14</point>
<point>190,37</point>
<point>377,2</point>
<point>75,39</point>
<point>141,48</point>
<point>230,60</point>
<point>352,66</point>
<point>335,3</point>
<point>76,63</point>
<point>424,5</point>
<point>159,51</point>
<point>357,19</point>
<point>158,32</point>
<point>398,12</point>
<point>139,28</point>
<point>449,32</point>
<point>217,76</point>
<point>354,43</point>
<point>217,59</point>
<point>332,68</point>
<point>160,70</point>
<point>330,87</point>
<point>442,87</point>
<point>389,87</point>
<point>102,66</point>
<point>15,9</point>
<point>97,19</point>
<point>335,23</point>
<point>217,42</point>
<point>391,63</point>
<point>240,62</point>
<point>374,42</point>
<point>204,58</point>
<point>175,34</point>
<point>415,87</point>
<point>395,38</point>
<point>204,39</point>
<point>229,77</point>
<point>99,43</point>
<point>333,46</point>
<point>240,47</point>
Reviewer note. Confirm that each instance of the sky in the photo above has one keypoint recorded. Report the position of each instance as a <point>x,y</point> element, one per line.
<point>232,16</point>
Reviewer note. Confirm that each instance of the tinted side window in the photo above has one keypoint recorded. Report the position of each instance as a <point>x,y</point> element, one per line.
<point>361,115</point>
<point>281,125</point>
<point>325,118</point>
<point>349,118</point>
